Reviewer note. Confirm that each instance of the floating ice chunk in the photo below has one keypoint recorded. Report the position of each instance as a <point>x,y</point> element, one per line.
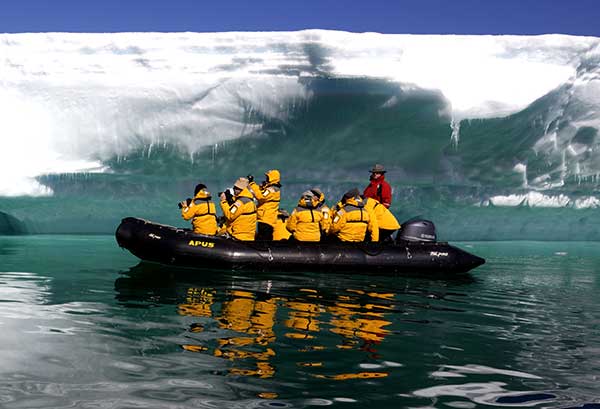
<point>530,199</point>
<point>590,202</point>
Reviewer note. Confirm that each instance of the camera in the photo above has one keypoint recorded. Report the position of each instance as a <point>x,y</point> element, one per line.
<point>228,195</point>
<point>188,201</point>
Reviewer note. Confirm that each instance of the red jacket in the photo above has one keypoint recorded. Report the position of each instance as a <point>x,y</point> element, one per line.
<point>379,190</point>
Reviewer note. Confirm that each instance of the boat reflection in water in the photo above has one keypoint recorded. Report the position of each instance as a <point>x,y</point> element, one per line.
<point>253,320</point>
<point>263,327</point>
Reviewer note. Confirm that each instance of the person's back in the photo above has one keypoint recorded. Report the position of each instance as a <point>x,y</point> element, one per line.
<point>386,221</point>
<point>305,222</point>
<point>280,232</point>
<point>324,209</point>
<point>268,196</point>
<point>352,221</point>
<point>202,211</point>
<point>240,216</point>
<point>378,188</point>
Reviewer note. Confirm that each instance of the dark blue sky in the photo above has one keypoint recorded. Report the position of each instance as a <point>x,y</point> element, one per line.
<point>578,17</point>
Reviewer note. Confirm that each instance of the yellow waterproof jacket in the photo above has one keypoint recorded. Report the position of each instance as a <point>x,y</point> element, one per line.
<point>352,222</point>
<point>326,222</point>
<point>279,230</point>
<point>306,224</point>
<point>203,214</point>
<point>268,197</point>
<point>240,216</point>
<point>385,219</point>
<point>324,209</point>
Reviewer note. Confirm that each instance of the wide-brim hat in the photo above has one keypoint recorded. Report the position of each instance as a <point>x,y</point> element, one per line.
<point>241,183</point>
<point>378,168</point>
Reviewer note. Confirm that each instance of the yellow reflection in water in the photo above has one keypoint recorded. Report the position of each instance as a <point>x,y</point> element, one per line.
<point>303,317</point>
<point>360,375</point>
<point>357,316</point>
<point>198,302</point>
<point>353,320</point>
<point>268,395</point>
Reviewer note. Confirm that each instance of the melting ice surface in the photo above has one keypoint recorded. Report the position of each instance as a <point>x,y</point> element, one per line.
<point>73,101</point>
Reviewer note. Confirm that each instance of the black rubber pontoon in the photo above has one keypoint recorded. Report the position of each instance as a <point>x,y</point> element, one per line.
<point>173,246</point>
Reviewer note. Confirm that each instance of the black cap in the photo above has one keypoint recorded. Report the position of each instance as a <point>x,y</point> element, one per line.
<point>350,194</point>
<point>199,187</point>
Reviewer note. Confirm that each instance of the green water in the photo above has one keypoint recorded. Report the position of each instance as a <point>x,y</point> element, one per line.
<point>83,325</point>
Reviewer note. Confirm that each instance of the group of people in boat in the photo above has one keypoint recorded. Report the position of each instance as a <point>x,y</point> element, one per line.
<point>251,212</point>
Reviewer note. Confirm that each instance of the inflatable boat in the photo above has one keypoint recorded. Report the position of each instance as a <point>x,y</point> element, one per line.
<point>414,250</point>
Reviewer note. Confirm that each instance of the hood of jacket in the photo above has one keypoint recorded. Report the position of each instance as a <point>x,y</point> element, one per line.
<point>245,193</point>
<point>203,195</point>
<point>355,201</point>
<point>272,176</point>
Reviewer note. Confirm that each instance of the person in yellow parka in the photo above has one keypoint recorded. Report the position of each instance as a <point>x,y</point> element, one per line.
<point>352,221</point>
<point>240,216</point>
<point>323,208</point>
<point>280,232</point>
<point>268,196</point>
<point>386,221</point>
<point>201,210</point>
<point>306,221</point>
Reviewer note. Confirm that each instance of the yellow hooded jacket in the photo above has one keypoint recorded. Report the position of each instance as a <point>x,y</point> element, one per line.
<point>306,224</point>
<point>352,221</point>
<point>326,212</point>
<point>240,216</point>
<point>324,209</point>
<point>279,231</point>
<point>203,213</point>
<point>268,197</point>
<point>385,219</point>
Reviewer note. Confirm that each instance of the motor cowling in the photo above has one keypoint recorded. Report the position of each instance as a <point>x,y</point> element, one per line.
<point>417,230</point>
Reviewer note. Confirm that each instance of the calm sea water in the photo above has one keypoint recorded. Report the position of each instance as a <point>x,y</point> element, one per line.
<point>84,325</point>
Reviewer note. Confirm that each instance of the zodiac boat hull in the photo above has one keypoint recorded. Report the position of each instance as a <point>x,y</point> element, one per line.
<point>179,247</point>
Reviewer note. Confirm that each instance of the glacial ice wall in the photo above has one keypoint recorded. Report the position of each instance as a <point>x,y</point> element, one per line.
<point>73,102</point>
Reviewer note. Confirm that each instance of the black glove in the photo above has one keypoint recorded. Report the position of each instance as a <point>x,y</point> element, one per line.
<point>250,178</point>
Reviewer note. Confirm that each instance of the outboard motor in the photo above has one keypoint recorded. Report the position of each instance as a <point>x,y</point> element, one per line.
<point>417,230</point>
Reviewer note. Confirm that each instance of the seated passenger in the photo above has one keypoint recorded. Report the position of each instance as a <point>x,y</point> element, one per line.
<point>306,221</point>
<point>323,208</point>
<point>240,215</point>
<point>201,210</point>
<point>280,232</point>
<point>268,197</point>
<point>352,221</point>
<point>386,220</point>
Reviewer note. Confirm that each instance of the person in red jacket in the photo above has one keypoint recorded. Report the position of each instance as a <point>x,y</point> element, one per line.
<point>379,189</point>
